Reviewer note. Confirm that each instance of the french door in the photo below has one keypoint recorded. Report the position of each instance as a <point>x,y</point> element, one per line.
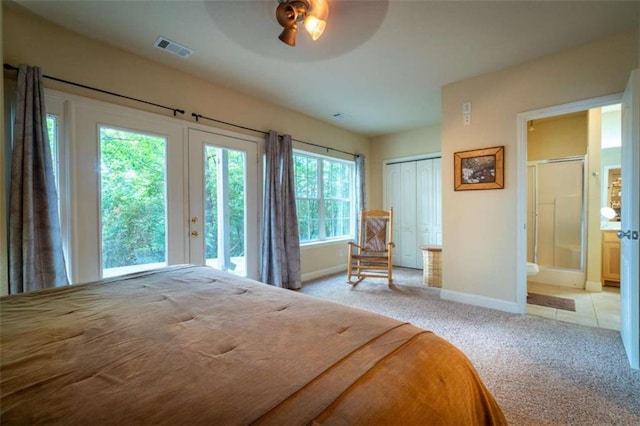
<point>223,202</point>
<point>126,192</point>
<point>146,191</point>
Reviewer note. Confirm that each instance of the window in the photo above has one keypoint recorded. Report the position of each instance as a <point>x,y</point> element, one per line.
<point>52,130</point>
<point>55,124</point>
<point>224,212</point>
<point>324,197</point>
<point>133,201</point>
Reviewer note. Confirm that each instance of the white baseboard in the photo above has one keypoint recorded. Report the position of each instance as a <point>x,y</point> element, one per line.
<point>482,301</point>
<point>593,286</point>
<point>324,272</point>
<point>559,277</point>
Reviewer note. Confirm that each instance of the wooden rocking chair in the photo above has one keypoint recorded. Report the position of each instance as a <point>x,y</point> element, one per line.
<point>373,255</point>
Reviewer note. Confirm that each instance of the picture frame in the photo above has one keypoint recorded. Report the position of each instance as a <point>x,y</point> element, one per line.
<point>479,169</point>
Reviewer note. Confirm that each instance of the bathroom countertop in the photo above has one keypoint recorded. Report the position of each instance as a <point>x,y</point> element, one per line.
<point>610,226</point>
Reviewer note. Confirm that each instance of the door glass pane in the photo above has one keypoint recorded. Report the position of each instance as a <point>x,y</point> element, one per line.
<point>52,133</point>
<point>224,209</point>
<point>133,201</point>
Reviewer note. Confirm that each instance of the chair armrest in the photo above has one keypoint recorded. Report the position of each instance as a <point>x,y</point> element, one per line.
<point>352,245</point>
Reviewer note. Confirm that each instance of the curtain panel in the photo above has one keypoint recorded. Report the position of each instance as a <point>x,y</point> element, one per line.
<point>36,259</point>
<point>360,194</point>
<point>280,240</point>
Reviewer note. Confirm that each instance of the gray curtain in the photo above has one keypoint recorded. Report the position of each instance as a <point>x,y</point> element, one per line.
<point>280,239</point>
<point>36,260</point>
<point>360,191</point>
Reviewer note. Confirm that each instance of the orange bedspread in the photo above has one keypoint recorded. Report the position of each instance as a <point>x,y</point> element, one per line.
<point>193,345</point>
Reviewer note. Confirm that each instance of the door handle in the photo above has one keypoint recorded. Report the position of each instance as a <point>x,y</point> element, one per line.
<point>622,234</point>
<point>632,235</point>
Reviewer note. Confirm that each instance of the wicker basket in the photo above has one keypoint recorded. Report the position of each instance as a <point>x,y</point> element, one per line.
<point>432,266</point>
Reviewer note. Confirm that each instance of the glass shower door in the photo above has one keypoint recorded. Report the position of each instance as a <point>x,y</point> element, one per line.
<point>560,214</point>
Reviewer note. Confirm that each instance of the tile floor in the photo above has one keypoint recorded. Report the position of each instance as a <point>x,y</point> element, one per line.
<point>592,309</point>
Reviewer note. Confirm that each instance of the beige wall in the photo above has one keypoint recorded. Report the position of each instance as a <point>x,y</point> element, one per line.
<point>424,140</point>
<point>558,137</point>
<point>594,189</point>
<point>480,228</point>
<point>66,55</point>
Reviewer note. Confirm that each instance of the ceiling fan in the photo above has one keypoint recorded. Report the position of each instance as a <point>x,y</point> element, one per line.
<point>312,13</point>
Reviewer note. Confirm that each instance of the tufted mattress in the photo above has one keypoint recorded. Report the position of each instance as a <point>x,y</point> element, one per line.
<point>190,345</point>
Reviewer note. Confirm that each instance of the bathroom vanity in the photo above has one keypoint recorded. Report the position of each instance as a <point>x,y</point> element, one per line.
<point>610,258</point>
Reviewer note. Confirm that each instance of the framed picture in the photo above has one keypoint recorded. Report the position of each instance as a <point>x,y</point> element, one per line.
<point>479,169</point>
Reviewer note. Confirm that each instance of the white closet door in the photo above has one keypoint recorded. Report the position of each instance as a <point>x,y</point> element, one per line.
<point>429,196</point>
<point>414,190</point>
<point>393,199</point>
<point>406,211</point>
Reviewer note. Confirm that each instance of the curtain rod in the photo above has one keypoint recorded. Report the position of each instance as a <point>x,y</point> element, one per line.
<point>174,110</point>
<point>328,148</point>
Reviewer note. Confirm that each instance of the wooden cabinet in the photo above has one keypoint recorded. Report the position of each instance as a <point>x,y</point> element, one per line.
<point>610,258</point>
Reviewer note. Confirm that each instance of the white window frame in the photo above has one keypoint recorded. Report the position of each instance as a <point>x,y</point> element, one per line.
<point>121,270</point>
<point>57,106</point>
<point>323,240</point>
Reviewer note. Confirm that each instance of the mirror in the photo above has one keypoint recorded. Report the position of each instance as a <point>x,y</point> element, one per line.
<point>613,188</point>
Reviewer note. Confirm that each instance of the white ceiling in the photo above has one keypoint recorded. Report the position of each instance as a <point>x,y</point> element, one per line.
<point>380,62</point>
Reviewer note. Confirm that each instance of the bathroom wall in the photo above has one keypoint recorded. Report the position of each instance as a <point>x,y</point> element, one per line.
<point>558,137</point>
<point>611,157</point>
<point>611,149</point>
<point>594,187</point>
<point>611,127</point>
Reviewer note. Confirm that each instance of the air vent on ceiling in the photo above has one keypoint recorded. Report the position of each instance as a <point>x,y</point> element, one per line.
<point>172,47</point>
<point>341,116</point>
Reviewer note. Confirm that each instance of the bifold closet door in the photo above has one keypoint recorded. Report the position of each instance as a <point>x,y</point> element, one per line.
<point>406,211</point>
<point>414,190</point>
<point>429,196</point>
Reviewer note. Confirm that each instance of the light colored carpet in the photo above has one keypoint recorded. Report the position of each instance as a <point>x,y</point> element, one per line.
<point>541,371</point>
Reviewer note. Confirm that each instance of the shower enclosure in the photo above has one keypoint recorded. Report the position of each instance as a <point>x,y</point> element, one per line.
<point>556,220</point>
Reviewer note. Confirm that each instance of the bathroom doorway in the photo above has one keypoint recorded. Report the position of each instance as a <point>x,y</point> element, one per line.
<point>564,173</point>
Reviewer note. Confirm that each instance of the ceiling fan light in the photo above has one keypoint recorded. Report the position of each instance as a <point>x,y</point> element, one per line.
<point>288,35</point>
<point>314,26</point>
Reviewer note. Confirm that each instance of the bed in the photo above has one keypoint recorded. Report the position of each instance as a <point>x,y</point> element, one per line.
<point>193,345</point>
